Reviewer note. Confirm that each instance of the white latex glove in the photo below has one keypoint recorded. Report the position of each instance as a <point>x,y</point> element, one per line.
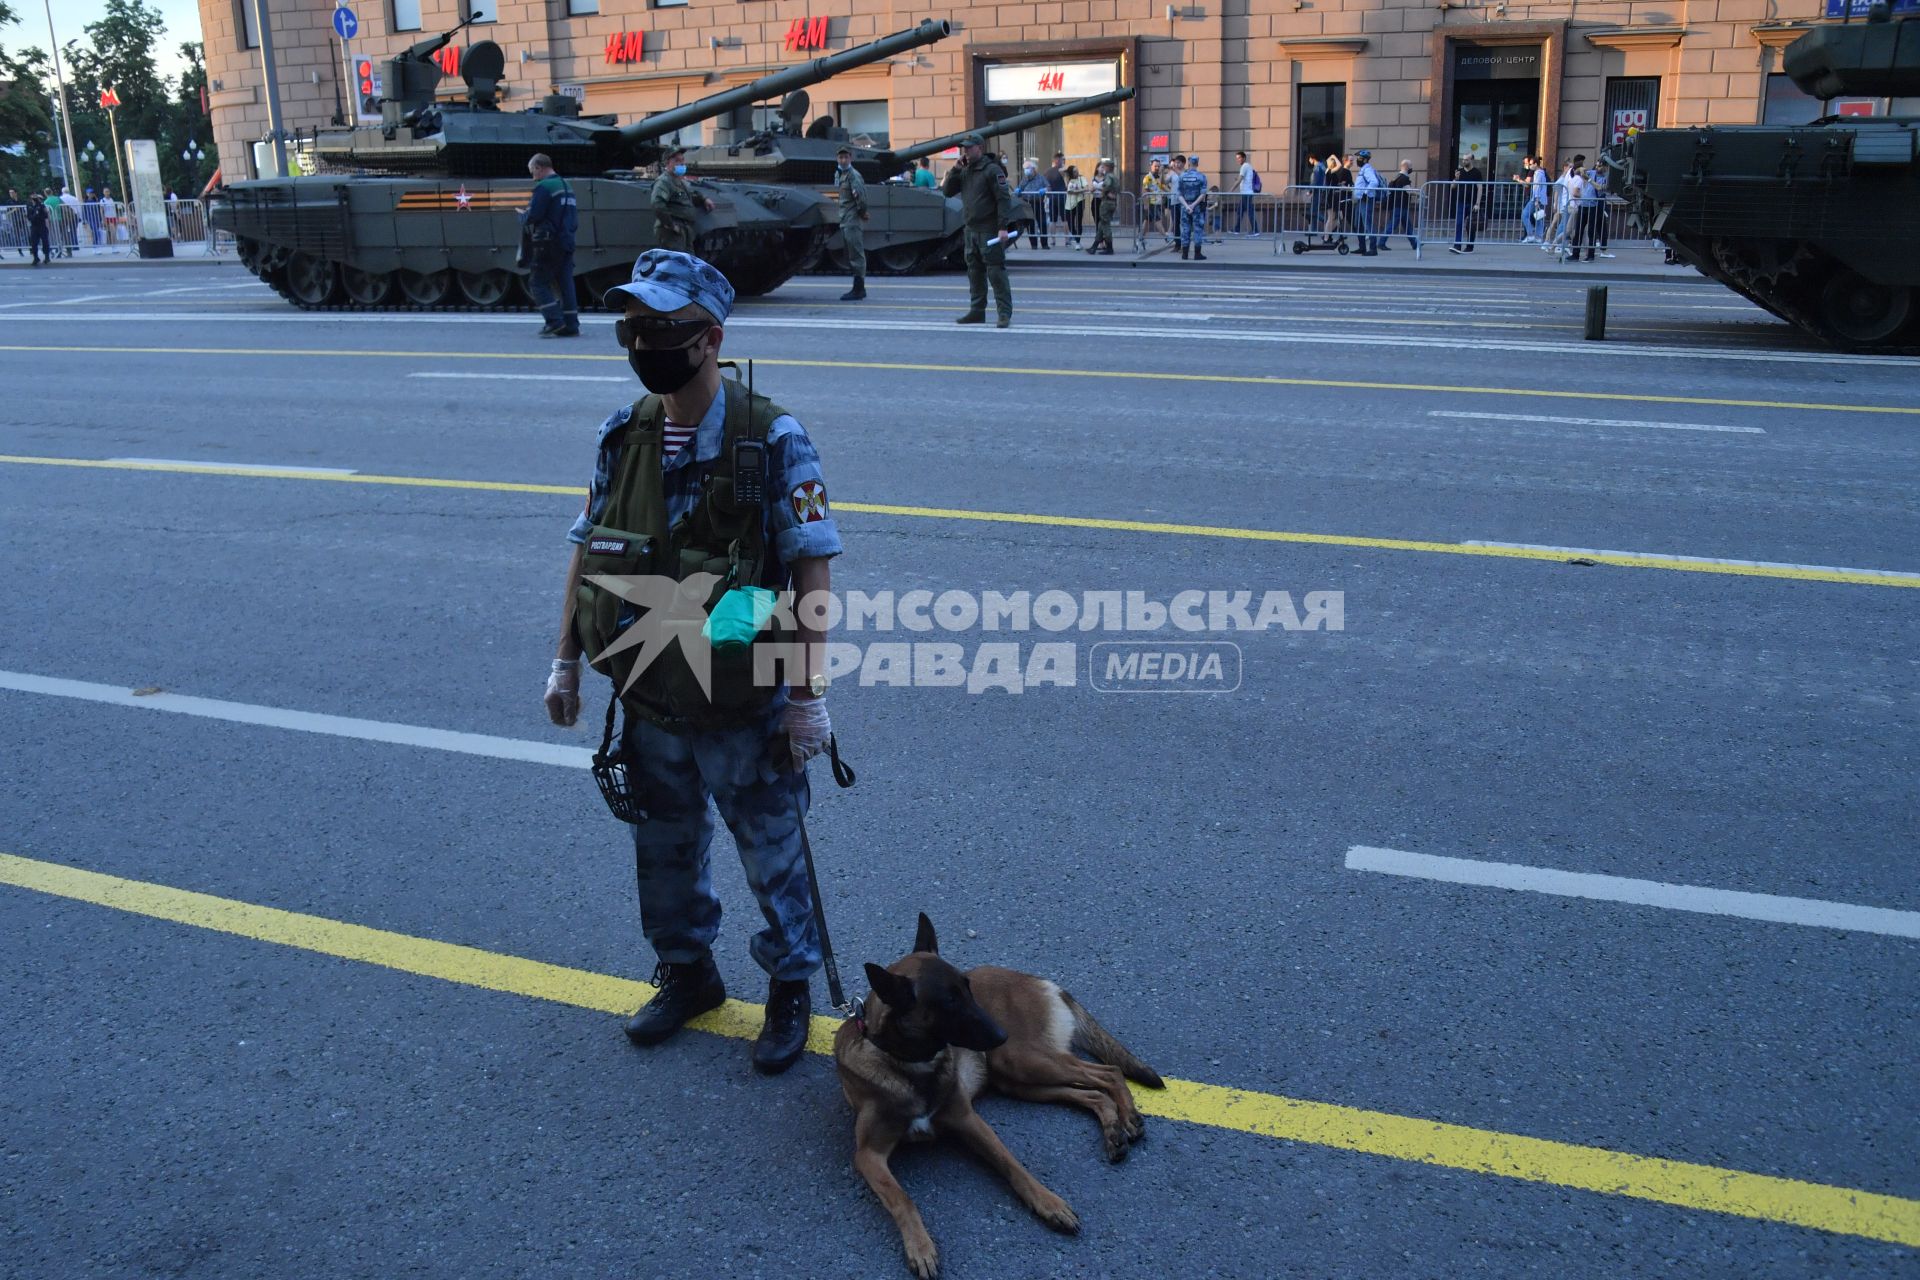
<point>807,727</point>
<point>563,692</point>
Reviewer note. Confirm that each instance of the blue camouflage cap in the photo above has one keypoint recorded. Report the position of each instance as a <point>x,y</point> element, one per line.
<point>666,280</point>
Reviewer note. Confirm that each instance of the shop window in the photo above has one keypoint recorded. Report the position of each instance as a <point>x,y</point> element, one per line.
<point>865,122</point>
<point>1632,103</point>
<point>1786,104</point>
<point>406,15</point>
<point>249,28</point>
<point>1320,120</point>
<point>581,8</point>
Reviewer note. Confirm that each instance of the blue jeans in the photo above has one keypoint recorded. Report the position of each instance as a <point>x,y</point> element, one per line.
<point>551,284</point>
<point>1243,213</point>
<point>1363,221</point>
<point>1400,219</point>
<point>1463,221</point>
<point>674,776</point>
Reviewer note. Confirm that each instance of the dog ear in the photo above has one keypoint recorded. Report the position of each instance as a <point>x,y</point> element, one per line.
<point>924,940</point>
<point>894,991</point>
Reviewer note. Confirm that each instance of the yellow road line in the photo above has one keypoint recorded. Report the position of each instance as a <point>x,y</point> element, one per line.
<point>1784,572</point>
<point>1841,1210</point>
<point>1256,380</point>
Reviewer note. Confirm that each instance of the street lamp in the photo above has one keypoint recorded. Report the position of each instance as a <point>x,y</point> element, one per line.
<point>93,158</point>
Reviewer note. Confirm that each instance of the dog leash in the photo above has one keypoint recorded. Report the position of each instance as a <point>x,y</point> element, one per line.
<point>844,775</point>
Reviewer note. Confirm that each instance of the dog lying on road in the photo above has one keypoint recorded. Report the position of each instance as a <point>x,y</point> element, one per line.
<point>930,1039</point>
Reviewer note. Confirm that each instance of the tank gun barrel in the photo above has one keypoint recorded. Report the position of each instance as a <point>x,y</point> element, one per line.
<point>796,77</point>
<point>1013,124</point>
<point>427,48</point>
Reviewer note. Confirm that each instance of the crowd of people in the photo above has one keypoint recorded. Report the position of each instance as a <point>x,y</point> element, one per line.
<point>57,223</point>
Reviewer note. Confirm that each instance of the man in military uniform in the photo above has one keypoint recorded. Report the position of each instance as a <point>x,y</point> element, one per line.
<point>674,201</point>
<point>547,230</point>
<point>1105,197</point>
<point>990,208</point>
<point>853,213</point>
<point>661,508</point>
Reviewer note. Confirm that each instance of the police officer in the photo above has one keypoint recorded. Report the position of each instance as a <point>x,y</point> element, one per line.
<point>1367,190</point>
<point>990,208</point>
<point>660,507</point>
<point>37,230</point>
<point>546,230</point>
<point>853,213</point>
<point>1105,196</point>
<point>1190,200</point>
<point>674,201</point>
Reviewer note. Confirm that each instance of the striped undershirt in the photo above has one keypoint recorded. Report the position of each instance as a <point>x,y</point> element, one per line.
<point>673,437</point>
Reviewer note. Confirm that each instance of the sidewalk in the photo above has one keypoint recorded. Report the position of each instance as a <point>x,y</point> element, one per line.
<point>192,253</point>
<point>1639,262</point>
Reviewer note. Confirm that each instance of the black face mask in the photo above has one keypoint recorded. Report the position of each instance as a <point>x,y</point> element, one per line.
<point>665,372</point>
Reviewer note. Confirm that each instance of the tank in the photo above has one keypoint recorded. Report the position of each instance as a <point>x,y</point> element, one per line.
<point>1813,222</point>
<point>910,228</point>
<point>422,209</point>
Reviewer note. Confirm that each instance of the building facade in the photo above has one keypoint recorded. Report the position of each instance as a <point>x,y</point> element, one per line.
<point>1283,80</point>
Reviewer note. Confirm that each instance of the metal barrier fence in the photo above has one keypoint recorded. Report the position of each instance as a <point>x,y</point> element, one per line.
<point>96,228</point>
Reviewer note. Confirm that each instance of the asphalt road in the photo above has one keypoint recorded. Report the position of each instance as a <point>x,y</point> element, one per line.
<point>1727,701</point>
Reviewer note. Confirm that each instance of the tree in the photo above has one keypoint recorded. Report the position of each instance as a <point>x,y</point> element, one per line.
<point>26,122</point>
<point>189,124</point>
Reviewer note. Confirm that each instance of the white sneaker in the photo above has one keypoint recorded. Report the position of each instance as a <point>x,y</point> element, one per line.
<point>1605,254</point>
<point>1531,240</point>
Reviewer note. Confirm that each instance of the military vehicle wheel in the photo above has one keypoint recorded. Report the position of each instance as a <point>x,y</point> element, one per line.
<point>591,289</point>
<point>366,288</point>
<point>898,259</point>
<point>484,288</point>
<point>1864,311</point>
<point>424,288</point>
<point>311,279</point>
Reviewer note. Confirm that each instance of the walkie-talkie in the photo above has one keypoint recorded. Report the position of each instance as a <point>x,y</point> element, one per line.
<point>749,472</point>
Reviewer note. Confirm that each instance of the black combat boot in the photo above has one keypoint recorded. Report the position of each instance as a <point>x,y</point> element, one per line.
<point>972,317</point>
<point>1197,255</point>
<point>858,291</point>
<point>1185,250</point>
<point>783,1036</point>
<point>686,991</point>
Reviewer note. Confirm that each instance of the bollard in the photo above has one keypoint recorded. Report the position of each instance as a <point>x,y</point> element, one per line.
<point>1596,312</point>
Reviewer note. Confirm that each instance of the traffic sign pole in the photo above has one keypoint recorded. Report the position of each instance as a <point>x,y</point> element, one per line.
<point>270,75</point>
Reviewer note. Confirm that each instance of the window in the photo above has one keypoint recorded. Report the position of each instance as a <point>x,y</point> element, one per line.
<point>666,4</point>
<point>489,10</point>
<point>249,29</point>
<point>1321,122</point>
<point>865,123</point>
<point>1632,103</point>
<point>1787,105</point>
<point>406,15</point>
<point>581,8</point>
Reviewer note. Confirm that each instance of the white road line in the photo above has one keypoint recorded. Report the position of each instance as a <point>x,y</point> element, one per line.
<point>1588,422</point>
<point>1669,555</point>
<point>404,735</point>
<point>521,377</point>
<point>1814,912</point>
<point>1206,333</point>
<point>267,468</point>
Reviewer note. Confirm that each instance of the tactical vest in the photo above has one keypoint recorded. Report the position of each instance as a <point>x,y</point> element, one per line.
<point>719,536</point>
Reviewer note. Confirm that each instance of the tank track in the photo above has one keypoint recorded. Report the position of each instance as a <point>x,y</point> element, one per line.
<point>1777,290</point>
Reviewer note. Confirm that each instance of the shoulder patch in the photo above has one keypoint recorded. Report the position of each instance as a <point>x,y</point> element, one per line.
<point>809,501</point>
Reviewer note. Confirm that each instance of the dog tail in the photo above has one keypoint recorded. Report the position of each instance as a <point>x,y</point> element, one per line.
<point>1099,1044</point>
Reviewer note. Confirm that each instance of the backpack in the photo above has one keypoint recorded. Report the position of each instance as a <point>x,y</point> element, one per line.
<point>1256,182</point>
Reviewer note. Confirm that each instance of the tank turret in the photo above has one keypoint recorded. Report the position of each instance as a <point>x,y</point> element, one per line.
<point>1871,59</point>
<point>418,135</point>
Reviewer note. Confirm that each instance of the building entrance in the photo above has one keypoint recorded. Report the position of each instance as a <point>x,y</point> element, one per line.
<point>1496,107</point>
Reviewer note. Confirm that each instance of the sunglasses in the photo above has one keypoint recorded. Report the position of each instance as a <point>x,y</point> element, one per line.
<point>658,335</point>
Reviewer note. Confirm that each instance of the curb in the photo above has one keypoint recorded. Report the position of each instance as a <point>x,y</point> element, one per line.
<point>1163,259</point>
<point>114,260</point>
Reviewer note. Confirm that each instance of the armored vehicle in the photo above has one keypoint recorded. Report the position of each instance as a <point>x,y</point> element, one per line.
<point>1813,222</point>
<point>427,214</point>
<point>910,228</point>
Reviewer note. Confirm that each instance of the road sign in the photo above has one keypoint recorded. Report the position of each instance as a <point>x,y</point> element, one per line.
<point>345,25</point>
<point>1858,8</point>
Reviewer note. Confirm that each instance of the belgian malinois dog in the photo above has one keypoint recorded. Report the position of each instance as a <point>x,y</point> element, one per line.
<point>930,1039</point>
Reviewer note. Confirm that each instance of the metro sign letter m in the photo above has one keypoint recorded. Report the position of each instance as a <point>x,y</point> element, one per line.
<point>807,33</point>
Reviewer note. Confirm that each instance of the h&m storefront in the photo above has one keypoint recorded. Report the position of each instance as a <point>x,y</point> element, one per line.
<point>1007,80</point>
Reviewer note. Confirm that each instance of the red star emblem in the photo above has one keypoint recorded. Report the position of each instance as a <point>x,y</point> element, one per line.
<point>460,198</point>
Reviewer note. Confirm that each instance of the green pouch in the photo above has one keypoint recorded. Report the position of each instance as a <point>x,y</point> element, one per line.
<point>737,617</point>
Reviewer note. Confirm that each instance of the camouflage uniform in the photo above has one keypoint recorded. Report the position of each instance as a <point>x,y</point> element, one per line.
<point>672,212</point>
<point>853,211</point>
<point>989,205</point>
<point>676,775</point>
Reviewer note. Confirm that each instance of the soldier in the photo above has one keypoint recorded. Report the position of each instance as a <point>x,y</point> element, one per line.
<point>1105,197</point>
<point>674,202</point>
<point>547,229</point>
<point>990,207</point>
<point>853,212</point>
<point>661,509</point>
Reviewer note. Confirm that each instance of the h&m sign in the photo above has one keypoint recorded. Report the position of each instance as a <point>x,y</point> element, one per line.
<point>806,33</point>
<point>626,46</point>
